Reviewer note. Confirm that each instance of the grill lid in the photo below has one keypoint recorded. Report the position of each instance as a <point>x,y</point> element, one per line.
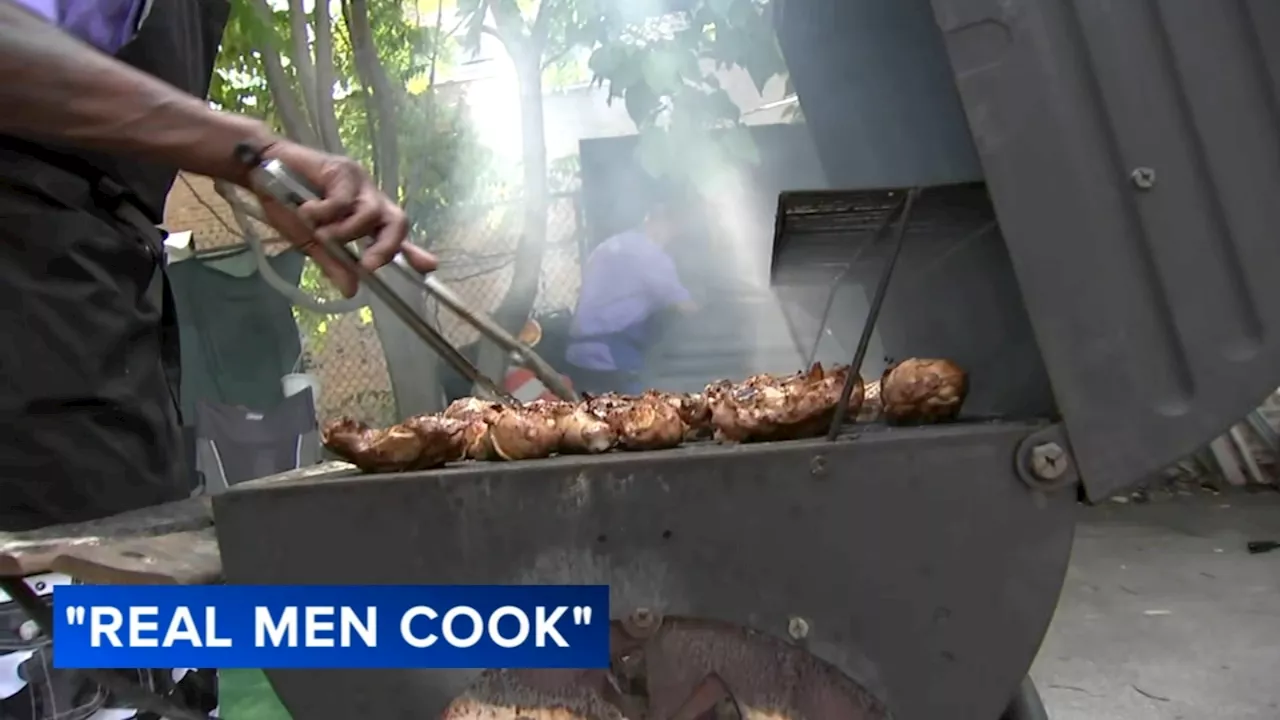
<point>1133,160</point>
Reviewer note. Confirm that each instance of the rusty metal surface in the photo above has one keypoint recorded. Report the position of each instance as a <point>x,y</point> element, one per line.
<point>765,676</point>
<point>915,559</point>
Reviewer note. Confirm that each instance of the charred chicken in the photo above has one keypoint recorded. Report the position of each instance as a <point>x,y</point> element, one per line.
<point>767,408</point>
<point>759,409</point>
<point>419,443</point>
<point>647,422</point>
<point>919,391</point>
<point>476,415</point>
<point>525,433</point>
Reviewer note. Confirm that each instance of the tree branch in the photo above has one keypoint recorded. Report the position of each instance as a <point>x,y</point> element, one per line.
<point>492,32</point>
<point>436,41</point>
<point>542,23</point>
<point>326,117</point>
<point>510,27</point>
<point>374,77</point>
<point>556,57</point>
<point>301,57</point>
<point>293,116</point>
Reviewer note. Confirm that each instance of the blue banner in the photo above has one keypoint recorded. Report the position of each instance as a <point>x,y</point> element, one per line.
<point>365,626</point>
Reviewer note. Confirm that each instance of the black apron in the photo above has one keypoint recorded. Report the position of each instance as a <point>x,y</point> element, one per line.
<point>89,366</point>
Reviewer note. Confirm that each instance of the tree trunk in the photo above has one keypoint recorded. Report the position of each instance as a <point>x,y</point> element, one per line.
<point>374,77</point>
<point>411,364</point>
<point>326,117</point>
<point>293,116</point>
<point>301,57</point>
<point>516,305</point>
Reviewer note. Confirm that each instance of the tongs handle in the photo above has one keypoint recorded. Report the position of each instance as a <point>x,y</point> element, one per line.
<point>524,354</point>
<point>276,180</point>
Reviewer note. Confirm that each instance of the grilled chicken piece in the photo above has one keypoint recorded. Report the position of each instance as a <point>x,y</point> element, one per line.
<point>443,439</point>
<point>535,695</point>
<point>872,408</point>
<point>419,443</point>
<point>693,409</point>
<point>477,414</point>
<point>470,408</point>
<point>524,433</point>
<point>647,422</point>
<point>466,708</point>
<point>921,391</point>
<point>551,408</point>
<point>582,433</point>
<point>768,408</point>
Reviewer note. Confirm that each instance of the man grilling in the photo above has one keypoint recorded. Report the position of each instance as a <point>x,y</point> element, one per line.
<point>102,105</point>
<point>628,285</point>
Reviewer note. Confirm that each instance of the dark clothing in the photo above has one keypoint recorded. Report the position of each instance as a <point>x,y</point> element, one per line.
<point>89,370</point>
<point>88,376</point>
<point>628,347</point>
<point>599,382</point>
<point>178,43</point>
<point>237,444</point>
<point>89,366</point>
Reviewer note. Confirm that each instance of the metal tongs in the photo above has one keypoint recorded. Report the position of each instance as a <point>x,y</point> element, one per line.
<point>274,179</point>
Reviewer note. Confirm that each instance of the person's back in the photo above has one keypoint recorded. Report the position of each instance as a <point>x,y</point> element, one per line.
<point>627,281</point>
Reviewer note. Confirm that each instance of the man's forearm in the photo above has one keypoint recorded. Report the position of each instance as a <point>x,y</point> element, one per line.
<point>56,88</point>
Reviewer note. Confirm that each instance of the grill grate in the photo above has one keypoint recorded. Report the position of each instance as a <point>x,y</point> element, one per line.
<point>819,234</point>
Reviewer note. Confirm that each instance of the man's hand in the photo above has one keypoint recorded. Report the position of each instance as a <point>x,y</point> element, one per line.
<point>352,208</point>
<point>66,91</point>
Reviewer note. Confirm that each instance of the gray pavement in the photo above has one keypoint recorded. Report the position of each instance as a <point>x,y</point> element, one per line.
<point>1165,616</point>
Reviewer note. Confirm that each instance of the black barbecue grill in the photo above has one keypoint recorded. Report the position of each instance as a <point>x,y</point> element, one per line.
<point>1106,277</point>
<point>724,559</point>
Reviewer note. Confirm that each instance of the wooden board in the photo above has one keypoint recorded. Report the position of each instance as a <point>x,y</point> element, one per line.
<point>29,553</point>
<point>325,470</point>
<point>188,558</point>
<point>170,544</point>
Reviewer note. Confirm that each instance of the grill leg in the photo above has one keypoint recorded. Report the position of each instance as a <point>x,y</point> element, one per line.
<point>1026,704</point>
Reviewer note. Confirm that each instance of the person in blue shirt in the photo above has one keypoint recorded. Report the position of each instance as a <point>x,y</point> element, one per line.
<point>628,283</point>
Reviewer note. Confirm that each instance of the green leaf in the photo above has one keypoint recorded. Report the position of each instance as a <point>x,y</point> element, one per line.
<point>604,61</point>
<point>641,104</point>
<point>474,23</point>
<point>661,70</point>
<point>720,105</point>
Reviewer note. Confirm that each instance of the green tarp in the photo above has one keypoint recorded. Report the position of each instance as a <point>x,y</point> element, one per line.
<point>238,334</point>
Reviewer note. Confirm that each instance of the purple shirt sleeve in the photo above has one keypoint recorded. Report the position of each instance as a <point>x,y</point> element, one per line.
<point>663,281</point>
<point>104,24</point>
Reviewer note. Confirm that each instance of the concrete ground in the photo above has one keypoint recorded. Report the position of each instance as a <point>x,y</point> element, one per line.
<point>1166,616</point>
